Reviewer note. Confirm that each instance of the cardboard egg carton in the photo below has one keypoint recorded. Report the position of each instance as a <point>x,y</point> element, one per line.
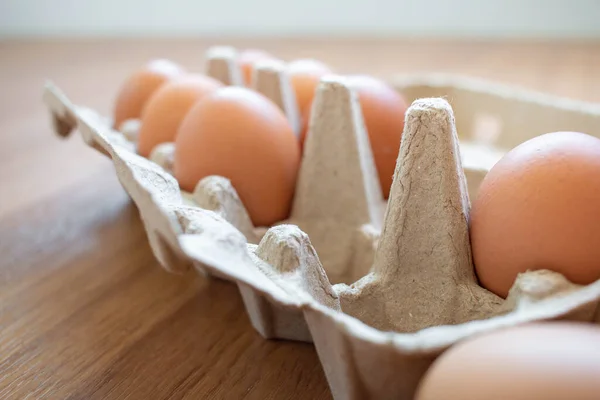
<point>381,288</point>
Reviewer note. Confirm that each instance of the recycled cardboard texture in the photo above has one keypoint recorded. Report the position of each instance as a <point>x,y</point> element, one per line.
<point>162,154</point>
<point>338,189</point>
<point>522,114</point>
<point>221,64</point>
<point>270,78</point>
<point>376,337</point>
<point>130,128</point>
<point>424,252</point>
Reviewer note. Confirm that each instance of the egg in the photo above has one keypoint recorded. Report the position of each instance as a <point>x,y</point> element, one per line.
<point>537,208</point>
<point>138,88</point>
<point>241,135</point>
<point>248,58</point>
<point>167,107</point>
<point>545,361</point>
<point>305,75</point>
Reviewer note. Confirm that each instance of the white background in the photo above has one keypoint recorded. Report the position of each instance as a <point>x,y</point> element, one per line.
<point>455,18</point>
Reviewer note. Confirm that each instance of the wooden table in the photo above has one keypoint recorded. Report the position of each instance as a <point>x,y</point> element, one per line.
<point>85,310</point>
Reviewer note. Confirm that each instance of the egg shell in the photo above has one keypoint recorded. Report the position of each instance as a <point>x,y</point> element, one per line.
<point>241,135</point>
<point>167,107</point>
<point>140,86</point>
<point>305,75</point>
<point>538,209</point>
<point>551,361</point>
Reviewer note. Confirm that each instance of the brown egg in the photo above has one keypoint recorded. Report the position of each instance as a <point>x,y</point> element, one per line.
<point>545,361</point>
<point>239,134</point>
<point>248,58</point>
<point>538,209</point>
<point>138,88</point>
<point>383,110</point>
<point>167,107</point>
<point>305,75</point>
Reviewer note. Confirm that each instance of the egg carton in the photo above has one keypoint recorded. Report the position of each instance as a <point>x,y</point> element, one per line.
<point>380,288</point>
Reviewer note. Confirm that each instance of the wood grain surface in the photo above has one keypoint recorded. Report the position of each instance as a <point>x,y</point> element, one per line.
<point>85,310</point>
